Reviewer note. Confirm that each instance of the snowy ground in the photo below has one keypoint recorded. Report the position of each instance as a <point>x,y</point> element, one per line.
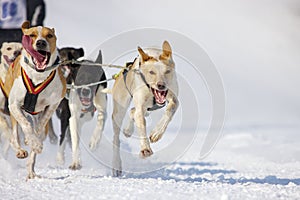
<point>255,47</point>
<point>263,164</point>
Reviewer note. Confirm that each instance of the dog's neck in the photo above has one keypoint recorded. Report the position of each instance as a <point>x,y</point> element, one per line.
<point>35,76</point>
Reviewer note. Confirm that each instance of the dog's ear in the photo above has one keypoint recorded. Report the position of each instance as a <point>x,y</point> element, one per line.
<point>25,25</point>
<point>143,55</point>
<point>99,58</point>
<point>81,52</point>
<point>167,51</point>
<point>53,30</point>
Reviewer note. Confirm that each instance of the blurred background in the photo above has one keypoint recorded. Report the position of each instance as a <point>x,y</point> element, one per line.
<point>253,44</point>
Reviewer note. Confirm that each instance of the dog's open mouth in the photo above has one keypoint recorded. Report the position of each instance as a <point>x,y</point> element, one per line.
<point>159,95</point>
<point>8,61</point>
<point>40,58</point>
<point>85,101</point>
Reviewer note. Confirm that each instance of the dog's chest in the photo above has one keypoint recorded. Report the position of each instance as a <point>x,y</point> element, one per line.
<point>35,99</point>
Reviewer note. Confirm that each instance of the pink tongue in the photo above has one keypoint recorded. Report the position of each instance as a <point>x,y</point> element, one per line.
<point>7,59</point>
<point>27,44</point>
<point>159,97</point>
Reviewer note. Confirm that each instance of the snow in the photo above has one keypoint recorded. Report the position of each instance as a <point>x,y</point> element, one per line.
<point>250,170</point>
<point>254,46</point>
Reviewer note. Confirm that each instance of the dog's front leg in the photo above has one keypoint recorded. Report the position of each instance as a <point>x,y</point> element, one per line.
<point>160,128</point>
<point>47,114</point>
<point>140,122</point>
<point>100,102</point>
<point>74,130</point>
<point>30,165</point>
<point>33,141</point>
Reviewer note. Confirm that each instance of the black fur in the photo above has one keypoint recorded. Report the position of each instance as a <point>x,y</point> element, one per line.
<point>69,53</point>
<point>63,111</point>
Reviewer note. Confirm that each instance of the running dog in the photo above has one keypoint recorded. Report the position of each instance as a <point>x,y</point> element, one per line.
<point>150,82</point>
<point>82,103</point>
<point>9,52</point>
<point>35,86</point>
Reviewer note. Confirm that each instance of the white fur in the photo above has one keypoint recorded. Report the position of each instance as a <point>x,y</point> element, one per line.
<point>142,98</point>
<point>47,103</point>
<point>8,49</point>
<point>100,102</point>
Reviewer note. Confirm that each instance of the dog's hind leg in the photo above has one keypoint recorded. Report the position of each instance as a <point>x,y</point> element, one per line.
<point>129,128</point>
<point>100,102</point>
<point>64,116</point>
<point>60,156</point>
<point>119,112</point>
<point>160,128</point>
<point>6,134</point>
<point>51,133</point>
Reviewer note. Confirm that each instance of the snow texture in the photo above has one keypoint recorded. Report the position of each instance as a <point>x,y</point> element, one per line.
<point>254,45</point>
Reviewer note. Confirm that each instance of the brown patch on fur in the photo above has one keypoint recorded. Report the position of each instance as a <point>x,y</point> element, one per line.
<point>166,56</point>
<point>64,82</point>
<point>25,25</point>
<point>47,33</point>
<point>145,57</point>
<point>14,71</point>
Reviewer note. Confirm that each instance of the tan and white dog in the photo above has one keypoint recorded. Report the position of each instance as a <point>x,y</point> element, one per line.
<point>9,52</point>
<point>150,82</point>
<point>35,86</point>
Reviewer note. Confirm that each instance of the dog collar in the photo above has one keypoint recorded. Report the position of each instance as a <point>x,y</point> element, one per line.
<point>33,91</point>
<point>55,64</point>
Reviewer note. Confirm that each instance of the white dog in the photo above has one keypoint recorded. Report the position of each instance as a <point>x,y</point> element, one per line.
<point>150,82</point>
<point>9,52</point>
<point>35,86</point>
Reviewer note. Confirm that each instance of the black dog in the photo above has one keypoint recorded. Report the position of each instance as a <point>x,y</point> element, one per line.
<point>82,102</point>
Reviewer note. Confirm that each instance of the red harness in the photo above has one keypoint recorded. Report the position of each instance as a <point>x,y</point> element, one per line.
<point>33,91</point>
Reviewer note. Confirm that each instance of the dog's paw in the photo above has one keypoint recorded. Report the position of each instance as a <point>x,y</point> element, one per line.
<point>60,159</point>
<point>26,142</point>
<point>53,139</point>
<point>128,132</point>
<point>93,144</point>
<point>116,172</point>
<point>32,175</point>
<point>21,154</point>
<point>75,166</point>
<point>146,153</point>
<point>155,136</point>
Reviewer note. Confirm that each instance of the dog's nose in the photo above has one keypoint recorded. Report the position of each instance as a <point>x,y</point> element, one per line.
<point>85,92</point>
<point>16,53</point>
<point>161,85</point>
<point>41,44</point>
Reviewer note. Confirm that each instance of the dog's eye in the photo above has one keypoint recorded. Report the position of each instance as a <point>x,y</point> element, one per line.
<point>168,72</point>
<point>152,72</point>
<point>49,36</point>
<point>32,35</point>
<point>9,48</point>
